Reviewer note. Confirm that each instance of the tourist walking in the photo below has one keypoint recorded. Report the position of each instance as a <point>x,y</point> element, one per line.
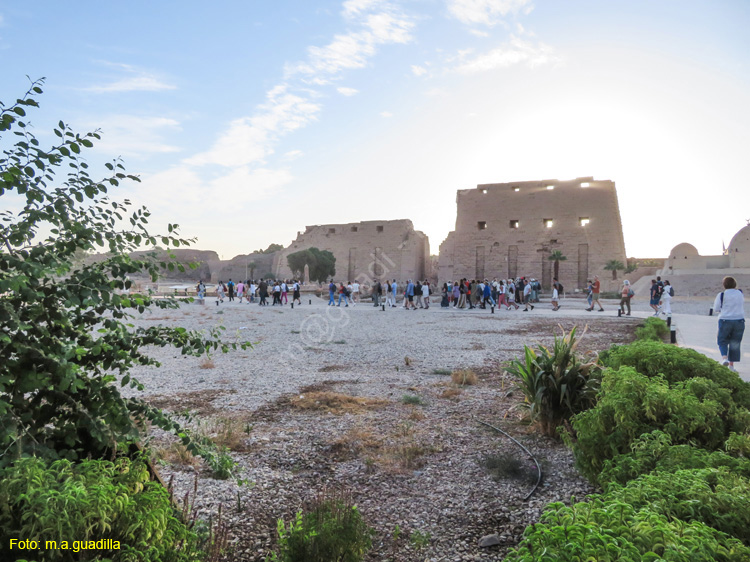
<point>284,292</point>
<point>590,292</point>
<point>512,294</point>
<point>377,291</point>
<point>527,297</point>
<point>355,291</point>
<point>230,290</point>
<point>462,293</point>
<point>626,293</point>
<point>331,293</point>
<point>295,295</point>
<point>555,295</point>
<point>220,290</point>
<point>730,304</point>
<point>666,298</point>
<point>426,294</point>
<point>418,295</point>
<point>595,287</point>
<point>342,294</point>
<point>654,297</point>
<point>240,291</point>
<point>456,294</point>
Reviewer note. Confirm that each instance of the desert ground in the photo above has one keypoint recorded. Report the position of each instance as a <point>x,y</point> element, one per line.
<point>378,405</point>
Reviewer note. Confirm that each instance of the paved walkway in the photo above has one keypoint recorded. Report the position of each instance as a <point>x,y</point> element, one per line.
<point>699,333</point>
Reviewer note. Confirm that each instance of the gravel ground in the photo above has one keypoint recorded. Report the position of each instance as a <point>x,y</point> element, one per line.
<point>416,467</point>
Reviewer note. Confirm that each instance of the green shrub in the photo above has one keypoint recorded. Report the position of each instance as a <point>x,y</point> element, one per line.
<point>615,531</point>
<point>654,329</point>
<point>630,404</point>
<point>712,496</point>
<point>412,399</point>
<point>655,452</point>
<point>92,500</point>
<point>331,531</point>
<point>676,364</point>
<point>556,383</point>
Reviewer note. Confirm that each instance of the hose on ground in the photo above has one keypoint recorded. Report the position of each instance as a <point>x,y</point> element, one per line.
<point>538,468</point>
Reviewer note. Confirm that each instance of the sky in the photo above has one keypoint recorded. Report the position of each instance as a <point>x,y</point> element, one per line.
<point>249,120</point>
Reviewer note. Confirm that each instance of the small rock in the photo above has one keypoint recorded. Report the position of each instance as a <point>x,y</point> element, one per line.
<point>489,540</point>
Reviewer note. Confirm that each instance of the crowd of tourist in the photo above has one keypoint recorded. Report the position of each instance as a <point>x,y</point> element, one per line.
<point>251,290</point>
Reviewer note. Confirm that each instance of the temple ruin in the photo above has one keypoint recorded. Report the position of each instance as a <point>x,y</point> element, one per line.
<point>510,229</point>
<point>365,250</point>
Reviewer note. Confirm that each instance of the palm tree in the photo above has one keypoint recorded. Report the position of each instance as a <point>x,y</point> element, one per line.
<point>251,266</point>
<point>613,266</point>
<point>557,256</point>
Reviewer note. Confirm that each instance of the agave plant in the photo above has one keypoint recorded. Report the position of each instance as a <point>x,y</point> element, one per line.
<point>556,383</point>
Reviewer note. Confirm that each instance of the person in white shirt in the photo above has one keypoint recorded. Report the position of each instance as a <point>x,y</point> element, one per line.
<point>730,304</point>
<point>394,288</point>
<point>555,296</point>
<point>426,294</point>
<point>350,293</point>
<point>251,292</point>
<point>388,293</point>
<point>666,299</point>
<point>527,296</point>
<point>284,292</point>
<point>355,291</point>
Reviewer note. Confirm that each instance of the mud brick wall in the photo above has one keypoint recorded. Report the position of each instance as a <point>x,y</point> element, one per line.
<point>365,250</point>
<point>509,229</point>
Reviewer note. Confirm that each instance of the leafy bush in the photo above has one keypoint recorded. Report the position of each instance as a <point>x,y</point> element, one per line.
<point>556,383</point>
<point>654,329</point>
<point>616,531</point>
<point>413,399</point>
<point>64,337</point>
<point>331,531</point>
<point>676,364</point>
<point>655,452</point>
<point>716,497</point>
<point>630,404</point>
<point>91,500</point>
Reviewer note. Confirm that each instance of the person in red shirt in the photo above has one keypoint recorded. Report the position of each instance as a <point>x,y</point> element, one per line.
<point>595,295</point>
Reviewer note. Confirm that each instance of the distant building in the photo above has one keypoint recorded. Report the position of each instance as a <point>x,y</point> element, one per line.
<point>509,230</point>
<point>365,250</point>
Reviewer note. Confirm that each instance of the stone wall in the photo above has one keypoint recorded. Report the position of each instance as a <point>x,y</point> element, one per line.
<point>509,229</point>
<point>365,250</point>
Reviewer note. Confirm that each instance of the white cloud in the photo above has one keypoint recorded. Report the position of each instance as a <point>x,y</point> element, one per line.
<point>251,185</point>
<point>353,49</point>
<point>293,154</point>
<point>136,80</point>
<point>251,139</point>
<point>485,12</point>
<point>386,114</point>
<point>131,135</point>
<point>347,91</point>
<point>198,195</point>
<point>517,51</point>
<point>418,70</point>
<point>479,33</point>
<point>353,8</point>
<point>143,83</point>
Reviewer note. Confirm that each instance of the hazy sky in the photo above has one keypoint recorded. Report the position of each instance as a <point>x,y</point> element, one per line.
<point>248,120</point>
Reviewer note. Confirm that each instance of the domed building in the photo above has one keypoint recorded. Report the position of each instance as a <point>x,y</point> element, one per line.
<point>702,275</point>
<point>739,249</point>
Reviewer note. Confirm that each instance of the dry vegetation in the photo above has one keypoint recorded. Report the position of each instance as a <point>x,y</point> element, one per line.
<point>464,377</point>
<point>334,402</point>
